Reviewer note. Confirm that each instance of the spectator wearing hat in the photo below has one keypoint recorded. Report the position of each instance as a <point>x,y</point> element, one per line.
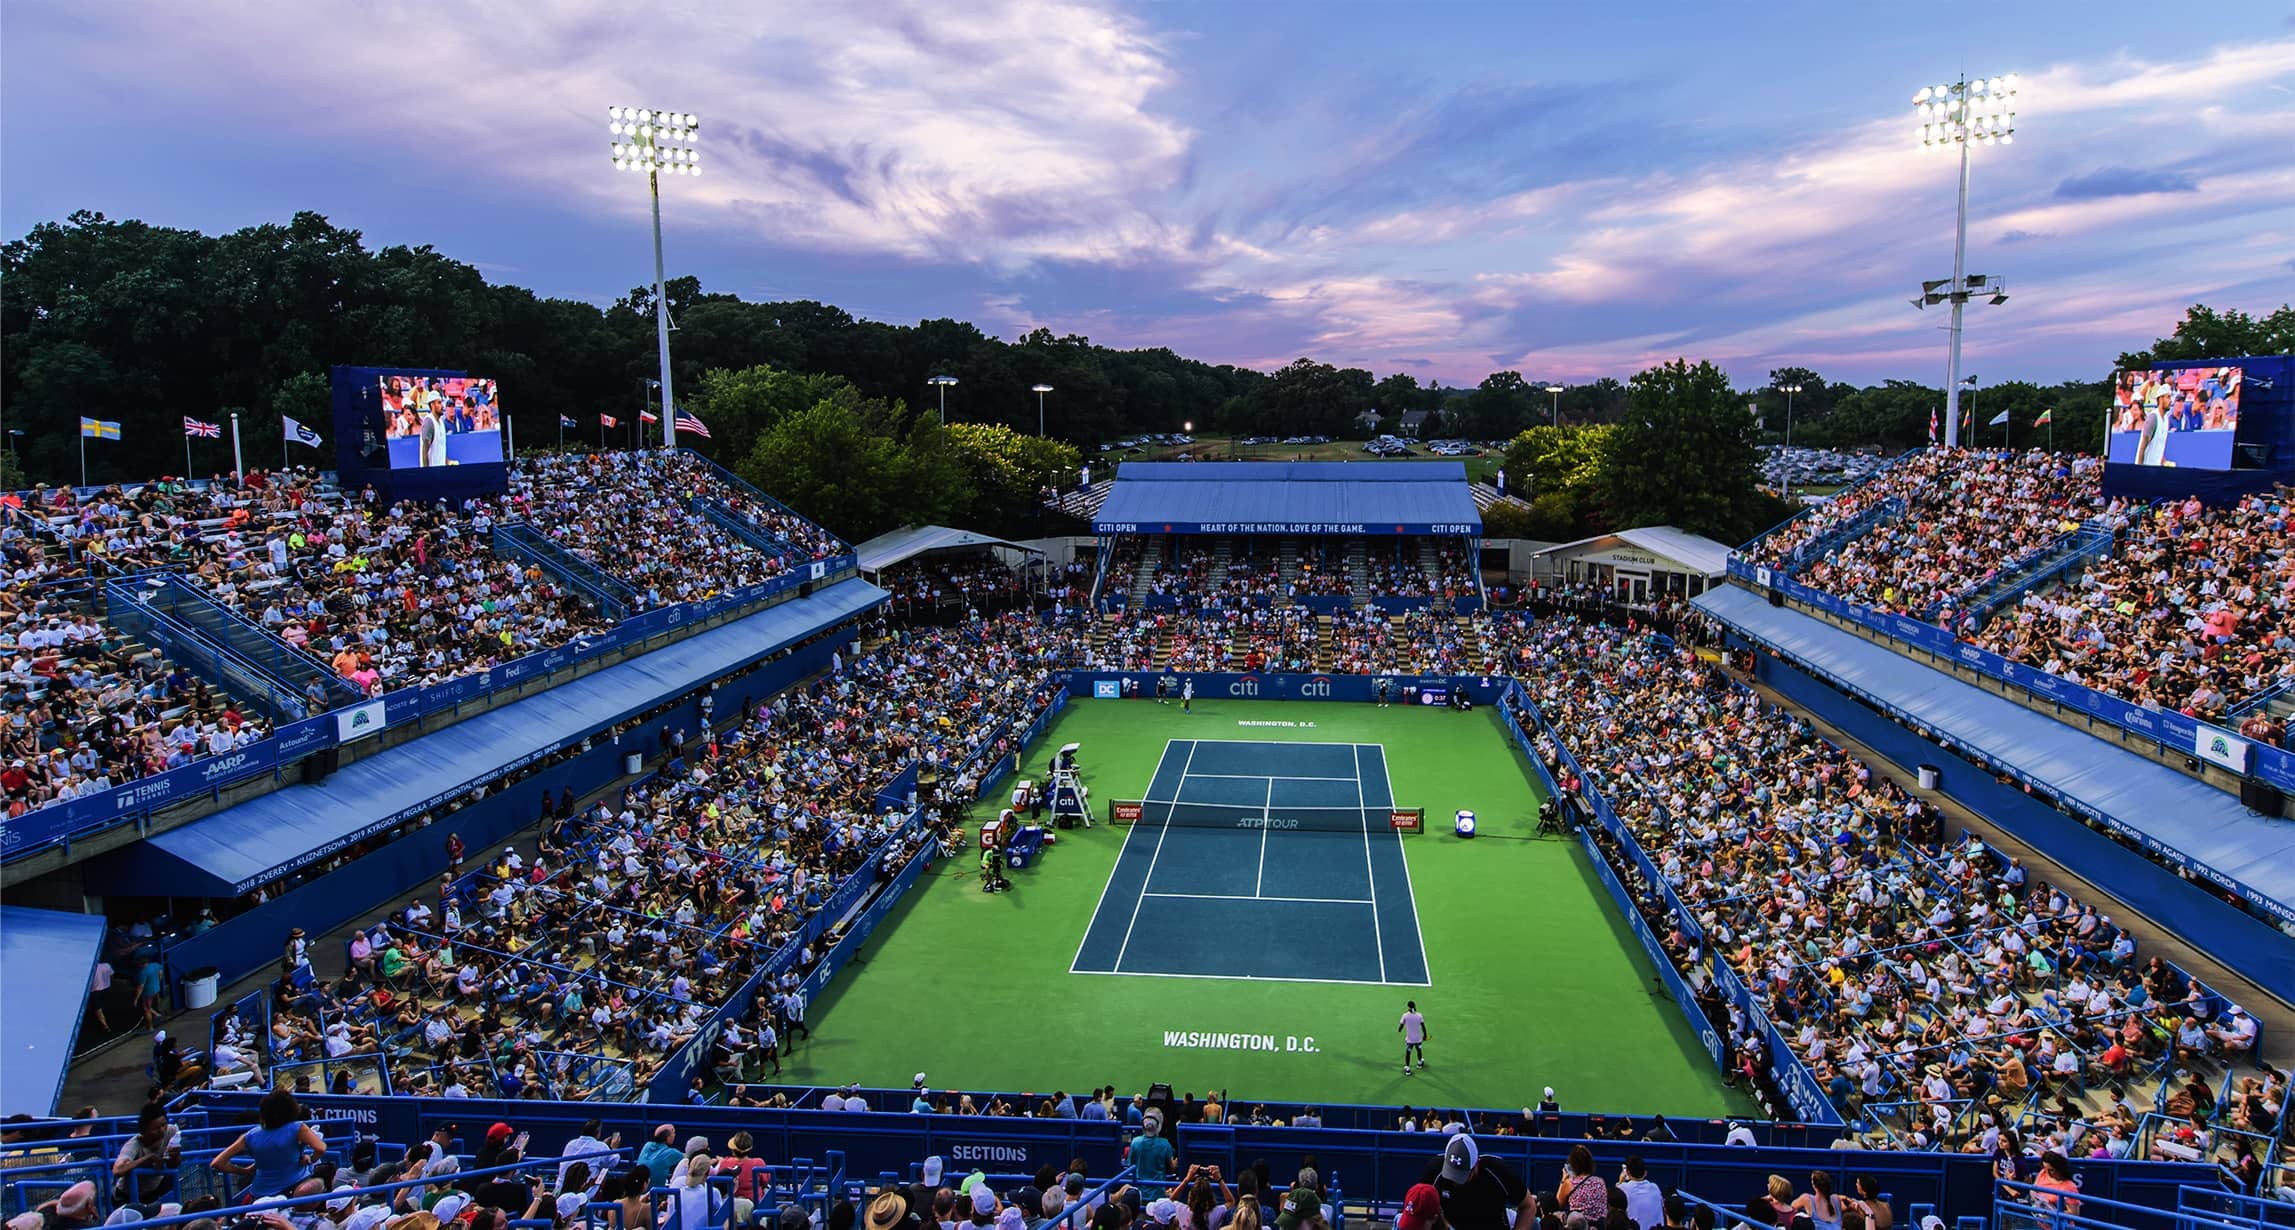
<point>750,1175</point>
<point>1478,1192</point>
<point>1421,1209</point>
<point>693,1203</point>
<point>1151,1155</point>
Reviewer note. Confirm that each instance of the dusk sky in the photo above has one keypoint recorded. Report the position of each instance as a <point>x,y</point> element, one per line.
<point>1571,190</point>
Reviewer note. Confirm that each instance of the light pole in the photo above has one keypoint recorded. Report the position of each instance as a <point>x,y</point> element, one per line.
<point>1556,390</point>
<point>1039,390</point>
<point>943,382</point>
<point>1787,459</point>
<point>655,142</point>
<point>1982,112</point>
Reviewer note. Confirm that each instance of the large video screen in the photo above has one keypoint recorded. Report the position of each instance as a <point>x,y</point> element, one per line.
<point>2175,417</point>
<point>441,421</point>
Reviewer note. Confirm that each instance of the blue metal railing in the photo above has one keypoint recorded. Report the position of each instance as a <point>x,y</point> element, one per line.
<point>609,594</point>
<point>2065,554</point>
<point>737,483</point>
<point>185,603</point>
<point>722,515</point>
<point>154,613</point>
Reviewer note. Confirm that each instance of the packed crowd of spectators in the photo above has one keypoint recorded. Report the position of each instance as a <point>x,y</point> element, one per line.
<point>1931,986</point>
<point>1253,579</point>
<point>641,517</point>
<point>1961,519</point>
<point>932,590</point>
<point>2189,611</point>
<point>383,598</point>
<point>1967,519</point>
<point>573,971</point>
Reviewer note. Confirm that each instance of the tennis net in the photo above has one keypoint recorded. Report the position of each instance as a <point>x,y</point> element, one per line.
<point>1185,815</point>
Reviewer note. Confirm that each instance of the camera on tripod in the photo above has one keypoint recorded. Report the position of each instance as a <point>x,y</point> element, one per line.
<point>1553,818</point>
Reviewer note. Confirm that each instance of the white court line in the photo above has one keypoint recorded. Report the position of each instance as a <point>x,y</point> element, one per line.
<point>1241,897</point>
<point>1112,869</point>
<point>1370,873</point>
<point>1403,852</point>
<point>1350,982</point>
<point>1252,777</point>
<point>1157,853</point>
<point>1266,821</point>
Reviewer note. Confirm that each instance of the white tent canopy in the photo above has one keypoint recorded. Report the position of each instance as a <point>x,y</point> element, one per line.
<point>896,546</point>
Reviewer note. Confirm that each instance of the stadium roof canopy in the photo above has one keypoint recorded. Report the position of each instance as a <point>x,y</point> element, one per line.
<point>2188,816</point>
<point>893,546</point>
<point>1694,551</point>
<point>1289,497</point>
<point>232,851</point>
<point>50,957</point>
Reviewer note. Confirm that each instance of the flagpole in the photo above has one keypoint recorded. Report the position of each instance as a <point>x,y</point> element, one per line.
<point>238,468</point>
<point>509,439</point>
<point>83,454</point>
<point>187,457</point>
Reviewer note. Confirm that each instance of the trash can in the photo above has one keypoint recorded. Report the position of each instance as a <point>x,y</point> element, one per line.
<point>1929,775</point>
<point>199,987</point>
<point>634,763</point>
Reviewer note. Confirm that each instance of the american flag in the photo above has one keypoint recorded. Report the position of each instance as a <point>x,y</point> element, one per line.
<point>688,423</point>
<point>193,427</point>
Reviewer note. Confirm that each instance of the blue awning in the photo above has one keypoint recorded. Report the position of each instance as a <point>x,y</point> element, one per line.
<point>49,957</point>
<point>2194,820</point>
<point>1290,497</point>
<point>234,850</point>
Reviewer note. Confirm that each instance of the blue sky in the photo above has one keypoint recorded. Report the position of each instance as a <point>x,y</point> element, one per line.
<point>1572,190</point>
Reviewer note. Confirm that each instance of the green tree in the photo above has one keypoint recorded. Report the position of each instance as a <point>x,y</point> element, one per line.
<point>1500,406</point>
<point>1559,470</point>
<point>1684,455</point>
<point>739,404</point>
<point>829,461</point>
<point>1007,471</point>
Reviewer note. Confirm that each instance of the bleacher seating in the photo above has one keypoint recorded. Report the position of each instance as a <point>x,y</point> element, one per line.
<point>1932,987</point>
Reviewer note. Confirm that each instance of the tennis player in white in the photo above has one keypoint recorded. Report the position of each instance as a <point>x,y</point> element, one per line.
<point>1412,1027</point>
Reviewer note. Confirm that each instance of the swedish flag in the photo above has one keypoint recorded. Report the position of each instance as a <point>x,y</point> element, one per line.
<point>97,429</point>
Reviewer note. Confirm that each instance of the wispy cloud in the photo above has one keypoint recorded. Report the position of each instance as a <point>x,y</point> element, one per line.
<point>2123,181</point>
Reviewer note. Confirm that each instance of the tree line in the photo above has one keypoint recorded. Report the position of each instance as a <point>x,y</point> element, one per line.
<point>144,325</point>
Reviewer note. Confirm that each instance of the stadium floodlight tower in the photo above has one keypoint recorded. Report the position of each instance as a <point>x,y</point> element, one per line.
<point>1039,390</point>
<point>657,143</point>
<point>1967,112</point>
<point>1555,391</point>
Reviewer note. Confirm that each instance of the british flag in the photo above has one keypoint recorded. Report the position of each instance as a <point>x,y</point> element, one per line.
<point>194,427</point>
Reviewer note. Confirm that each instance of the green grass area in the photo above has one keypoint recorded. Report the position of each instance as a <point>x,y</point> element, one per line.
<point>1223,448</point>
<point>1535,980</point>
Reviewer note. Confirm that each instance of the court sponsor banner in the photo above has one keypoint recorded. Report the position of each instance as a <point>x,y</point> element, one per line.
<point>2220,747</point>
<point>359,721</point>
<point>1107,689</point>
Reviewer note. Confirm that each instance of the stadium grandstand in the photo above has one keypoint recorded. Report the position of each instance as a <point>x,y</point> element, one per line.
<point>532,857</point>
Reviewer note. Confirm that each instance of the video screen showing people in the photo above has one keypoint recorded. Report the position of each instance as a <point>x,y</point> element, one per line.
<point>441,421</point>
<point>2175,417</point>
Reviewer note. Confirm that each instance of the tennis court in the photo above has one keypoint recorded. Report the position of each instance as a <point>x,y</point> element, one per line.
<point>1263,861</point>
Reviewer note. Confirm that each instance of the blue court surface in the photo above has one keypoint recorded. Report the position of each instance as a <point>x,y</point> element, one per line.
<point>1269,861</point>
